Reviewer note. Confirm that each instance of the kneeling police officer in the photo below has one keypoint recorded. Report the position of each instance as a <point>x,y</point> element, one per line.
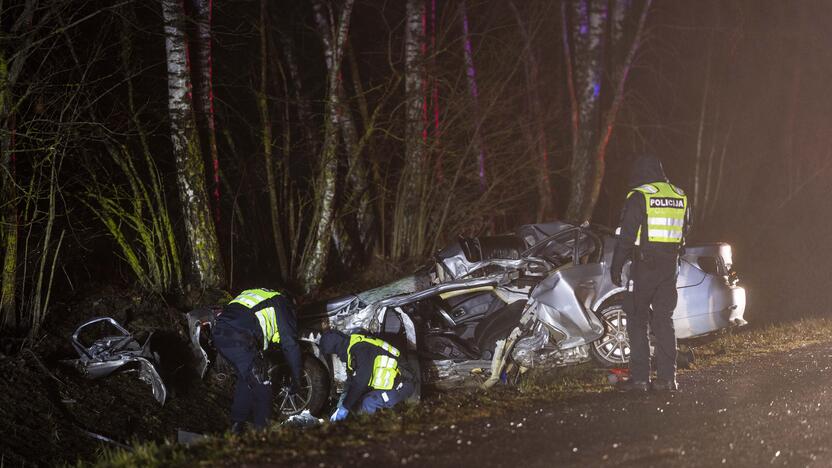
<point>244,329</point>
<point>374,378</point>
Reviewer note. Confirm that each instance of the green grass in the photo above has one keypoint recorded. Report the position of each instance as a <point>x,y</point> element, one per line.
<point>282,444</point>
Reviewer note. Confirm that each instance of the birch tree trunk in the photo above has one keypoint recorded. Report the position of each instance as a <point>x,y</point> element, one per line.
<point>588,27</point>
<point>201,236</point>
<point>357,175</point>
<point>312,272</point>
<point>407,228</point>
<point>591,136</point>
<point>268,159</point>
<point>205,92</point>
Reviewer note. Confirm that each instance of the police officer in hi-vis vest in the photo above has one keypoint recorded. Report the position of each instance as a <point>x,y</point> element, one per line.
<point>654,222</point>
<point>374,378</point>
<point>244,329</point>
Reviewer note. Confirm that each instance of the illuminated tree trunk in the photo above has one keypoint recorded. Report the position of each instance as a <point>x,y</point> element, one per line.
<point>205,92</point>
<point>592,127</point>
<point>10,69</point>
<point>205,262</point>
<point>358,200</point>
<point>408,237</point>
<point>588,27</point>
<point>312,272</point>
<point>8,212</point>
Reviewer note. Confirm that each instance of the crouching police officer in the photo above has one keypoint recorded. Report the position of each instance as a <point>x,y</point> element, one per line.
<point>374,378</point>
<point>244,329</point>
<point>653,225</point>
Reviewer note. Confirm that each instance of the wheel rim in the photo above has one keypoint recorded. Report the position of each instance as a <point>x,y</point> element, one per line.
<point>614,345</point>
<point>288,404</point>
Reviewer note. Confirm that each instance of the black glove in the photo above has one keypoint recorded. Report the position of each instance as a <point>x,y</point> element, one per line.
<point>615,277</point>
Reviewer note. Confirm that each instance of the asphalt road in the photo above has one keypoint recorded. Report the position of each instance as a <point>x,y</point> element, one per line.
<point>771,410</point>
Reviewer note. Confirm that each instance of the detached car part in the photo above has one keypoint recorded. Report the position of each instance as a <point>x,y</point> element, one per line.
<point>111,352</point>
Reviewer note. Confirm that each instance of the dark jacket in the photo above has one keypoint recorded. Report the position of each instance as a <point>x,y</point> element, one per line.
<point>243,318</point>
<point>362,356</point>
<point>646,169</point>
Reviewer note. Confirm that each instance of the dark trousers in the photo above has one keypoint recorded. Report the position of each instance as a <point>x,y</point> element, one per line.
<point>380,399</point>
<point>252,392</point>
<point>652,300</point>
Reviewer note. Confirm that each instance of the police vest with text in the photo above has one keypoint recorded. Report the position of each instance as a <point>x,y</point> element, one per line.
<point>250,299</point>
<point>665,208</point>
<point>385,365</point>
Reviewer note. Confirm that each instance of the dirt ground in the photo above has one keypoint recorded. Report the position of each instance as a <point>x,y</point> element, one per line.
<point>770,410</point>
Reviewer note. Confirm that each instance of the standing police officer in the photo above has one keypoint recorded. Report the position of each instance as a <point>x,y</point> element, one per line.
<point>653,225</point>
<point>374,379</point>
<point>244,329</point>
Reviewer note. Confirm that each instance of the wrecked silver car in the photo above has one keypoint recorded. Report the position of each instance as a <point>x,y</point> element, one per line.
<point>538,296</point>
<point>112,348</point>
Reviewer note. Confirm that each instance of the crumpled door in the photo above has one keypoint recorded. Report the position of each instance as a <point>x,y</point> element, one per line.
<point>562,302</point>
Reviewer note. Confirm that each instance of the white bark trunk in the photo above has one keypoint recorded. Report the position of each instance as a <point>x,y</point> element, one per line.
<point>315,266</point>
<point>407,230</point>
<point>205,261</point>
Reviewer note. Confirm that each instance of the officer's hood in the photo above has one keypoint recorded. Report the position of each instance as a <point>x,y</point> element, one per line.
<point>646,169</point>
<point>335,342</point>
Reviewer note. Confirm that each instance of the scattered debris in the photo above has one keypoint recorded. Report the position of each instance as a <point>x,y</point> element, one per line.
<point>109,353</point>
<point>304,419</point>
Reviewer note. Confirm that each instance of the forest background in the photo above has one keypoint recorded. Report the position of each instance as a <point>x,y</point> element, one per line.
<point>184,147</point>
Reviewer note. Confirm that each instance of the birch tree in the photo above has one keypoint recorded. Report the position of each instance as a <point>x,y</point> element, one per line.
<point>201,236</point>
<point>408,236</point>
<point>317,252</point>
<point>593,126</point>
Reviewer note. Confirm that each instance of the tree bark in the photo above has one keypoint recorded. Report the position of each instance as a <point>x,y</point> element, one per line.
<point>407,228</point>
<point>589,19</point>
<point>205,260</point>
<point>313,270</point>
<point>9,72</point>
<point>591,136</point>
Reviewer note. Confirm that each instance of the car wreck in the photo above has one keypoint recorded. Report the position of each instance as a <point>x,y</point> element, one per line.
<point>113,348</point>
<point>538,296</point>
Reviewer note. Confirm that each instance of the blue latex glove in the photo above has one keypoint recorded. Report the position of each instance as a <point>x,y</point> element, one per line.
<point>339,415</point>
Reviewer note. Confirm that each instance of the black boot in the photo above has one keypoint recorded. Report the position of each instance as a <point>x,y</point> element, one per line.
<point>629,385</point>
<point>663,385</point>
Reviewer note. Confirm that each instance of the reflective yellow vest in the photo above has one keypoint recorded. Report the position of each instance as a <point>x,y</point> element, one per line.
<point>249,299</point>
<point>385,368</point>
<point>666,206</point>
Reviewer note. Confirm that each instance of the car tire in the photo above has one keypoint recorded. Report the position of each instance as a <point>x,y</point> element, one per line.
<point>612,349</point>
<point>314,388</point>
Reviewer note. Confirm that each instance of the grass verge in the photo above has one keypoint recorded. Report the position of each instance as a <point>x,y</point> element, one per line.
<point>282,445</point>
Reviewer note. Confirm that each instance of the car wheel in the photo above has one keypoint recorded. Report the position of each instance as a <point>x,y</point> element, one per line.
<point>313,391</point>
<point>613,348</point>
